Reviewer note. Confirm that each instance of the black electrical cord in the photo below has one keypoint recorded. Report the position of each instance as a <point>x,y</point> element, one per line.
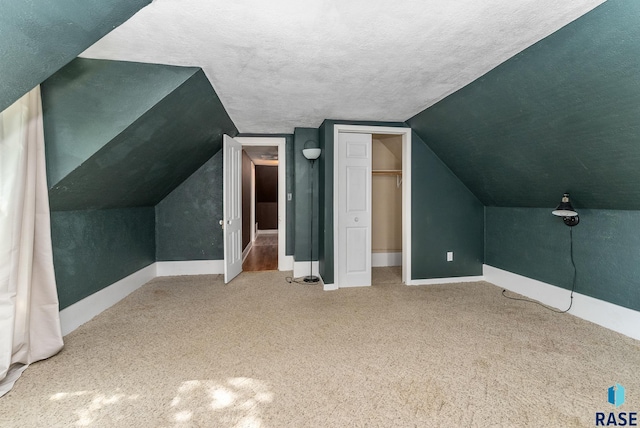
<point>573,286</point>
<point>300,280</point>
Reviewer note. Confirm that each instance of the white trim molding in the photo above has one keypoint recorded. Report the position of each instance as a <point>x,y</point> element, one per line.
<point>287,264</point>
<point>267,231</point>
<point>245,252</point>
<point>448,280</point>
<point>190,267</point>
<point>614,317</point>
<point>329,287</point>
<point>302,268</point>
<point>75,315</point>
<point>393,258</point>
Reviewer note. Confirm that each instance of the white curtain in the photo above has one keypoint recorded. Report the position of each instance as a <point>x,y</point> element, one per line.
<point>29,315</point>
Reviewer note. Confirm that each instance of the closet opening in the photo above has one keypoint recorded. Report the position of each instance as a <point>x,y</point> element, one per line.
<point>358,218</point>
<point>386,209</point>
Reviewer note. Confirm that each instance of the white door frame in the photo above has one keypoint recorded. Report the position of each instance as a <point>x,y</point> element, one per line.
<point>284,262</point>
<point>406,191</point>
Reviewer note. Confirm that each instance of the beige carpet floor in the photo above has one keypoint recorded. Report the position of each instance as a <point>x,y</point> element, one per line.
<point>262,352</point>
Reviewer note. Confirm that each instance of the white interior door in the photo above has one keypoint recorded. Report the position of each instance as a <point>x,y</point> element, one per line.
<point>232,207</point>
<point>354,209</point>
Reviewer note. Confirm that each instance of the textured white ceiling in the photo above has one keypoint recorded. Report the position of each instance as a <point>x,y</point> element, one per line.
<point>284,63</point>
<point>262,155</point>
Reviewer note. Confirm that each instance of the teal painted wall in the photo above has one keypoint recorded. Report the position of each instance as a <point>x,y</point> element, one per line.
<point>152,156</point>
<point>560,116</point>
<point>187,219</point>
<point>446,216</point>
<point>94,249</point>
<point>90,102</point>
<point>119,138</point>
<point>534,243</point>
<point>38,37</point>
<point>302,195</point>
<point>325,202</point>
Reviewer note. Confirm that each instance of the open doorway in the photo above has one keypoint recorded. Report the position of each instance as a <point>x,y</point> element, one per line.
<point>259,208</point>
<point>263,203</point>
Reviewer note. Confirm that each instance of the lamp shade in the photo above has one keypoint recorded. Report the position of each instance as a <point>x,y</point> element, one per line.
<point>311,154</point>
<point>565,209</point>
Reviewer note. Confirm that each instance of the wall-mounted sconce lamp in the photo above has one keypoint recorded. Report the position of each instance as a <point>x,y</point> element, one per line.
<point>566,211</point>
<point>311,154</point>
<point>570,218</point>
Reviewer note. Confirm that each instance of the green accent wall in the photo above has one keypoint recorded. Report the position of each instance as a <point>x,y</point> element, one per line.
<point>446,216</point>
<point>94,249</point>
<point>560,116</point>
<point>149,158</point>
<point>187,219</point>
<point>302,195</point>
<point>119,138</point>
<point>534,243</point>
<point>325,202</point>
<point>38,37</point>
<point>89,102</point>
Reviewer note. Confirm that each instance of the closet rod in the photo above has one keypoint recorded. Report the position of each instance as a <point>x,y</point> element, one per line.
<point>387,172</point>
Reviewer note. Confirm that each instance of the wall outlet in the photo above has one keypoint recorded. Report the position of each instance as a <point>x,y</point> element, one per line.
<point>449,256</point>
<point>289,196</point>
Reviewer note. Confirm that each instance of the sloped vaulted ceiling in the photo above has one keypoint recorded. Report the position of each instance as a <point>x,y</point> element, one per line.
<point>38,37</point>
<point>563,115</point>
<point>122,134</point>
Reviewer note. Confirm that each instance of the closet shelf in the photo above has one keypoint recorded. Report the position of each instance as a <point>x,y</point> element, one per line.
<point>387,172</point>
<point>391,172</point>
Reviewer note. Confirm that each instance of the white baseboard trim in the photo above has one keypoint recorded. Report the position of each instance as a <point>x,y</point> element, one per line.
<point>614,317</point>
<point>286,263</point>
<point>302,269</point>
<point>245,253</point>
<point>354,286</point>
<point>82,311</point>
<point>190,267</point>
<point>266,231</point>
<point>386,259</point>
<point>329,287</point>
<point>449,280</point>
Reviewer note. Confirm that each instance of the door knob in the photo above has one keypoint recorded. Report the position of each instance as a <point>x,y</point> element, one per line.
<point>355,219</point>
